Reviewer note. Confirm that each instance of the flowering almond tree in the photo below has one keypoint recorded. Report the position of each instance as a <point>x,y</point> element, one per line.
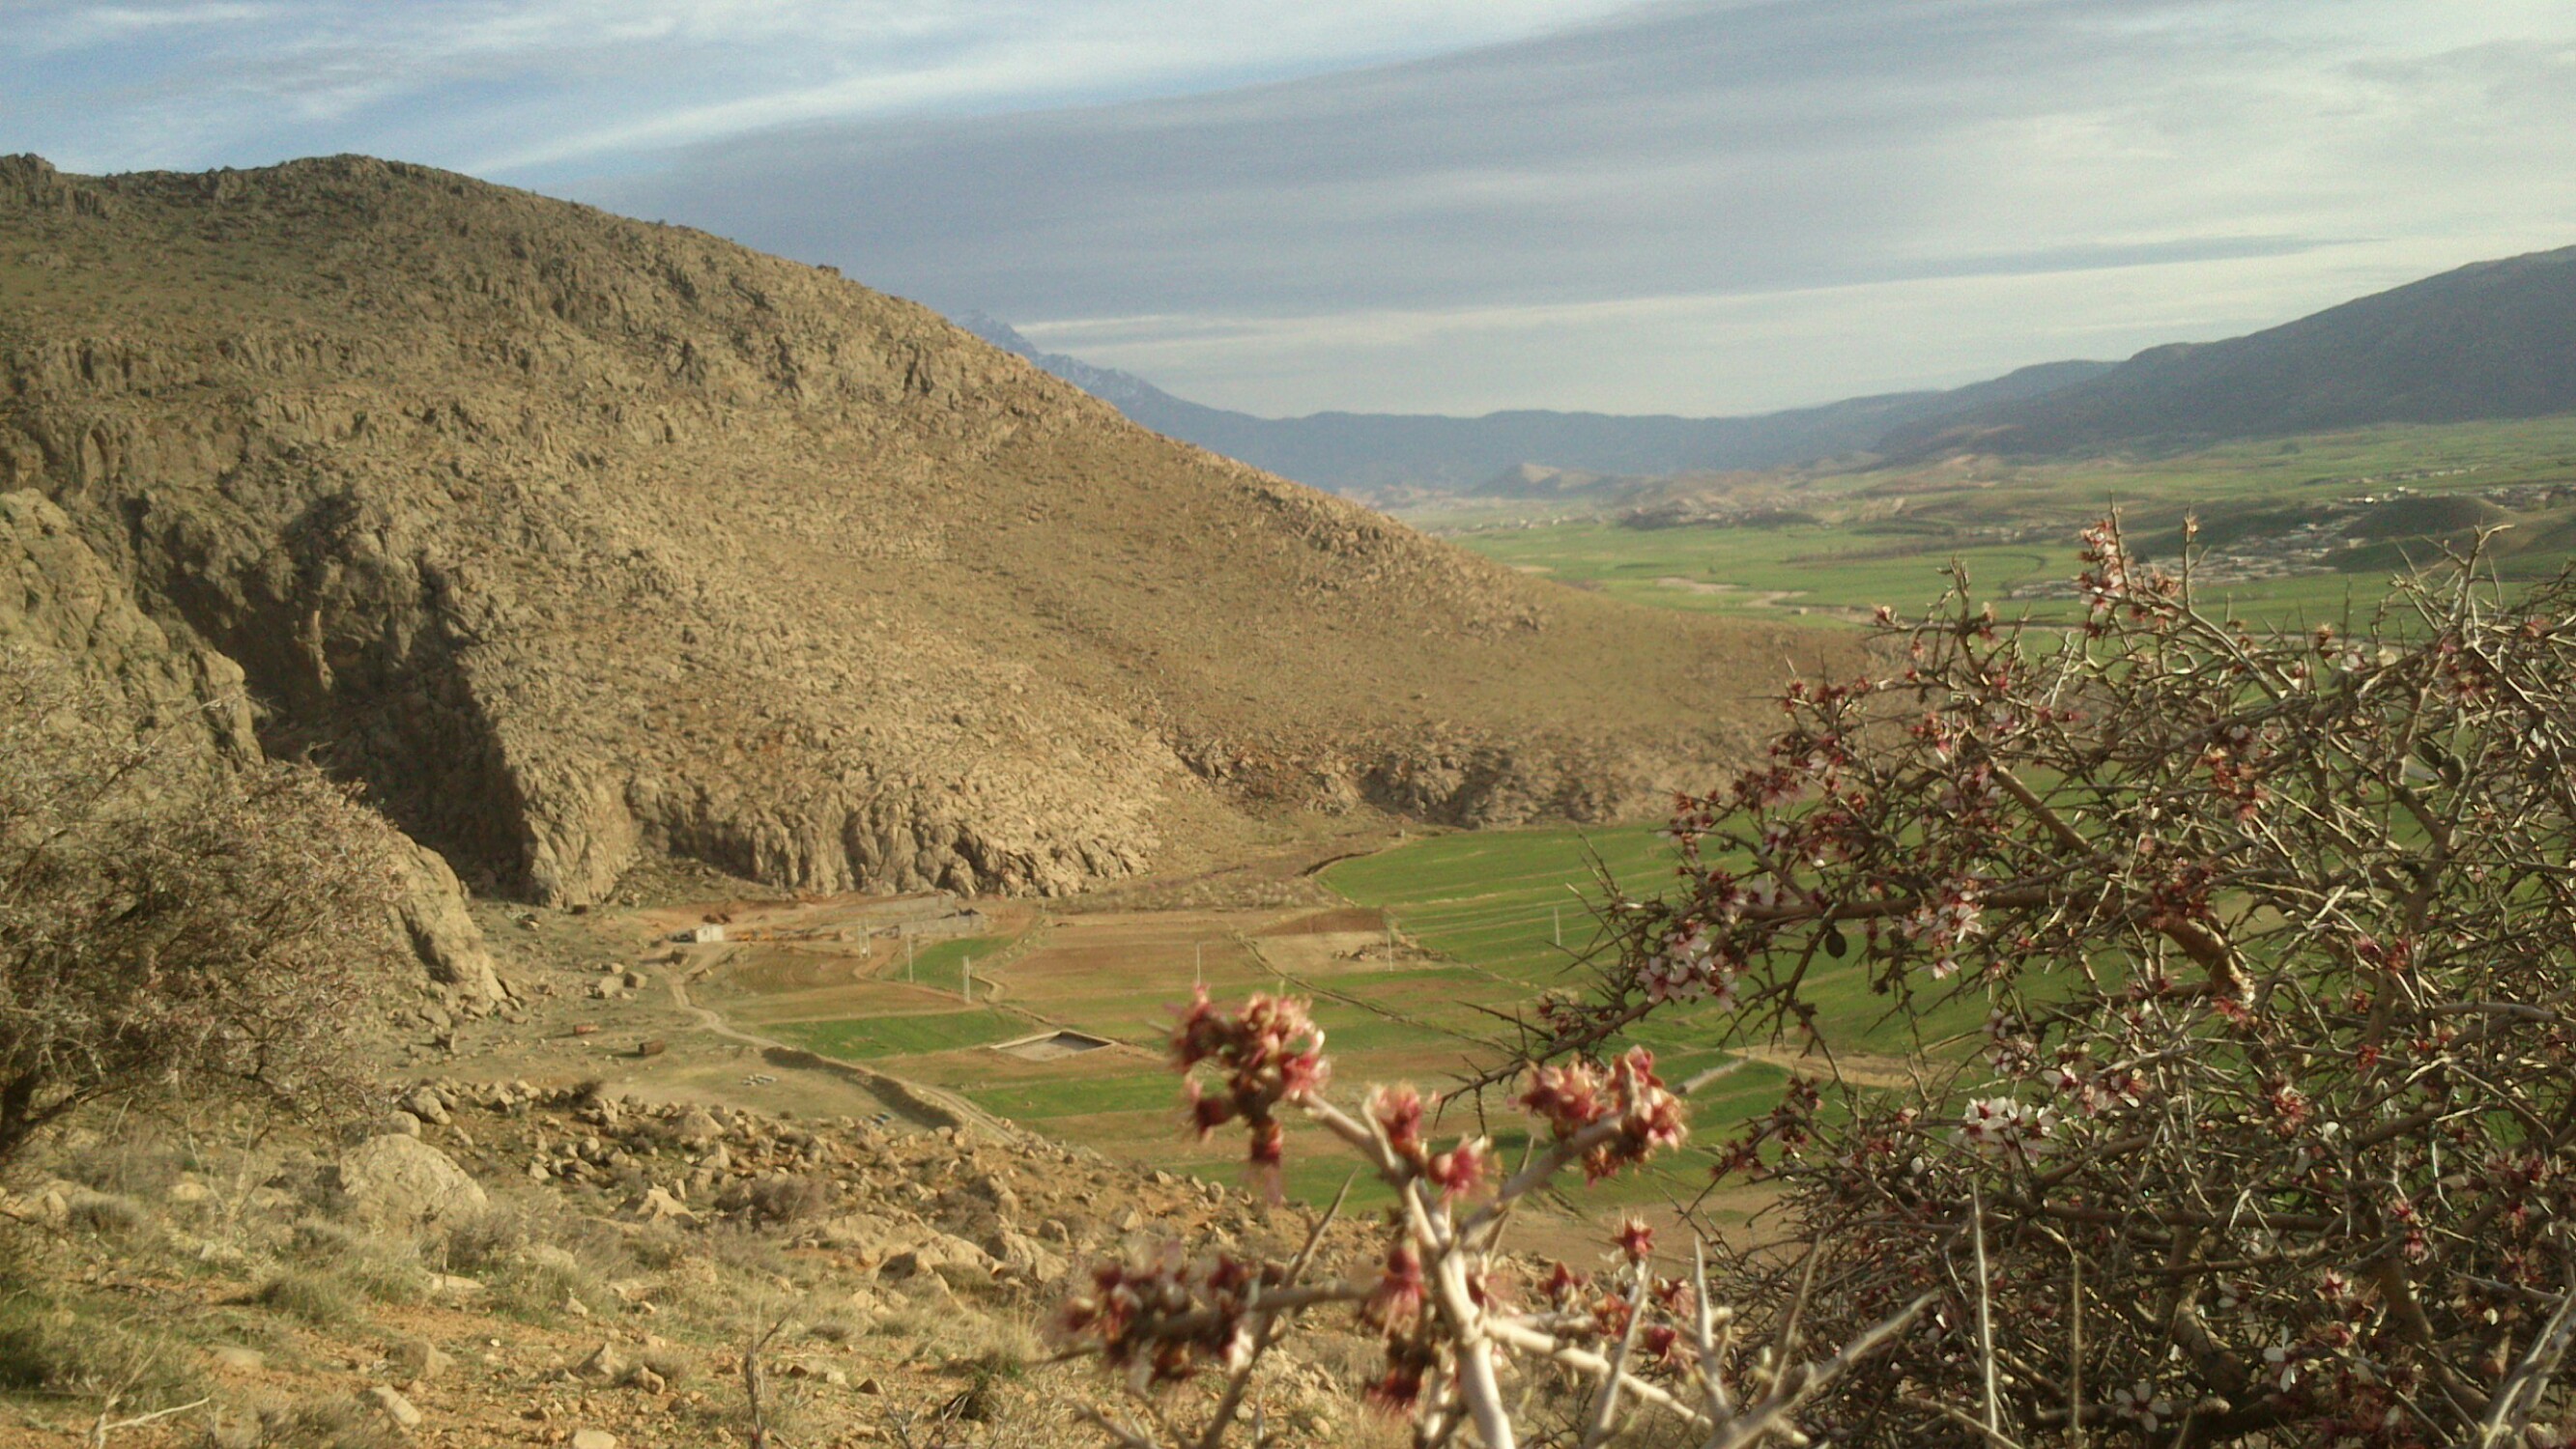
<point>2270,1134</point>
<point>1456,1324</point>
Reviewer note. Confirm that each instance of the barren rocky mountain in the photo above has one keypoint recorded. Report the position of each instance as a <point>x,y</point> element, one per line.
<point>577,538</point>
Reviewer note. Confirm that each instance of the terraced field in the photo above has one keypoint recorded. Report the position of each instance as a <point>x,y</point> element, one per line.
<point>1415,980</point>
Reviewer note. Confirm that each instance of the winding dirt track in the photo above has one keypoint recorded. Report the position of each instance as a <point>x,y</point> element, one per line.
<point>923,1105</point>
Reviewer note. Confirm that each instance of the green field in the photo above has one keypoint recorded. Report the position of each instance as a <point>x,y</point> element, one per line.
<point>942,964</point>
<point>1483,922</point>
<point>1496,900</point>
<point>876,1037</point>
<point>1487,921</point>
<point>1834,545</point>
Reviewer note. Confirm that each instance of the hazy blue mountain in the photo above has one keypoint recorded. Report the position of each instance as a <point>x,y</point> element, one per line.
<point>2490,340</point>
<point>1348,452</point>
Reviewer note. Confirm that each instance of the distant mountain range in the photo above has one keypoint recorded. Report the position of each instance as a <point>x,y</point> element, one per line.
<point>2491,340</point>
<point>1369,452</point>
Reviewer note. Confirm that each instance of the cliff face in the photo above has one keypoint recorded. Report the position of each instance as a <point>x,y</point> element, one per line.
<point>58,597</point>
<point>573,536</point>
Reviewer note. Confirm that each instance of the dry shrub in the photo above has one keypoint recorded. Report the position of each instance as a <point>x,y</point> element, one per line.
<point>107,1214</point>
<point>173,927</point>
<point>328,1422</point>
<point>486,1241</point>
<point>832,1330</point>
<point>316,1296</point>
<point>61,1342</point>
<point>379,1266</point>
<point>542,1280</point>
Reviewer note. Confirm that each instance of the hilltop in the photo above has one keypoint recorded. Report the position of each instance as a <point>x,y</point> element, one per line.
<point>579,540</point>
<point>2491,340</point>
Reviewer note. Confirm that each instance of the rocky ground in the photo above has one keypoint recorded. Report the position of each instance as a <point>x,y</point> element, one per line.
<point>499,1262</point>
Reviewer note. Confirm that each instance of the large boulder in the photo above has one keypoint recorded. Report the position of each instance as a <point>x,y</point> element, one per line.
<point>433,918</point>
<point>399,1181</point>
<point>951,1259</point>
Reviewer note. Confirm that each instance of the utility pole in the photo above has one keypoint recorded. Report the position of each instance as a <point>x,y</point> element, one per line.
<point>907,956</point>
<point>1198,964</point>
<point>1556,923</point>
<point>966,979</point>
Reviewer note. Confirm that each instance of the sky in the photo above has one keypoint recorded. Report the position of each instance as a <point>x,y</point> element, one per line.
<point>1695,206</point>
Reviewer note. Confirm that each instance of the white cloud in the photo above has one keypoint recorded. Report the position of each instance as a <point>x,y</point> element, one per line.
<point>44,30</point>
<point>1707,208</point>
<point>1702,206</point>
<point>1711,354</point>
<point>510,86</point>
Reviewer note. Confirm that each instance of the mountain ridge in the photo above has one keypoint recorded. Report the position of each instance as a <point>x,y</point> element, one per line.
<point>2490,340</point>
<point>1350,452</point>
<point>579,539</point>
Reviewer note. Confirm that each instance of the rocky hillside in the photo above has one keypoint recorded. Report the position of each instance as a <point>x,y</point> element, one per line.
<point>59,598</point>
<point>577,538</point>
<point>500,1263</point>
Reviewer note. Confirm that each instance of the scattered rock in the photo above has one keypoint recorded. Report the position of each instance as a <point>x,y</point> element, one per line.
<point>420,1360</point>
<point>659,1206</point>
<point>950,1258</point>
<point>232,1358</point>
<point>394,1180</point>
<point>1023,1258</point>
<point>425,1104</point>
<point>593,1439</point>
<point>390,1403</point>
<point>605,1364</point>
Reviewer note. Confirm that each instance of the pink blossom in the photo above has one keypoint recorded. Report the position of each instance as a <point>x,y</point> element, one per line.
<point>1462,1169</point>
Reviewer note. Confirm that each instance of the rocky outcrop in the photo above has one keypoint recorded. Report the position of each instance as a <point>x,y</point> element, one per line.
<point>58,596</point>
<point>575,538</point>
<point>444,936</point>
